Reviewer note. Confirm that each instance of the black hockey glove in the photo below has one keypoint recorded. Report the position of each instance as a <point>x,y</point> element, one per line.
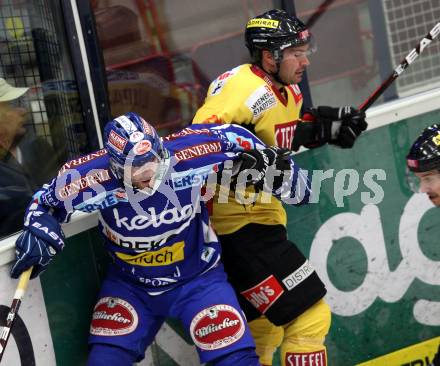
<point>257,162</point>
<point>337,126</point>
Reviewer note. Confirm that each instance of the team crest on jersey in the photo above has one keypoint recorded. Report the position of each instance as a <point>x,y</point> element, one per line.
<point>217,327</point>
<point>261,100</point>
<point>113,316</point>
<point>245,143</point>
<point>218,84</point>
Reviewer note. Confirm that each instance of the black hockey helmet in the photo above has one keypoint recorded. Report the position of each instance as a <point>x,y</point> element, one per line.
<point>424,154</point>
<point>275,30</point>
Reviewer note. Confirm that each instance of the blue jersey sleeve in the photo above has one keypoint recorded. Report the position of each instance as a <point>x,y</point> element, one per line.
<point>296,187</point>
<point>84,184</point>
<point>235,137</point>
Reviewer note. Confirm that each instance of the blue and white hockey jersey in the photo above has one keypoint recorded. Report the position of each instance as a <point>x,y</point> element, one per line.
<point>163,239</point>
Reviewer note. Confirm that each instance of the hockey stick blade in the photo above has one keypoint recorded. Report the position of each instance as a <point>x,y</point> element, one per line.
<point>409,59</point>
<point>5,331</point>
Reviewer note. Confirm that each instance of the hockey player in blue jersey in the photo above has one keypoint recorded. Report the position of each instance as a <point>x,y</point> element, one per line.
<point>153,217</point>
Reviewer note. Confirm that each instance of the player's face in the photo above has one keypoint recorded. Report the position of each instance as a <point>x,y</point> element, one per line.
<point>294,63</point>
<point>430,184</point>
<point>145,175</point>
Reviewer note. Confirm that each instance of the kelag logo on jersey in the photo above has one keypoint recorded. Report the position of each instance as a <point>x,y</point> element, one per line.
<point>191,178</point>
<point>103,200</point>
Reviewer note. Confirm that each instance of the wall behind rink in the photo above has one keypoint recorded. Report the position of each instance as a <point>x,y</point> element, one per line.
<point>380,262</point>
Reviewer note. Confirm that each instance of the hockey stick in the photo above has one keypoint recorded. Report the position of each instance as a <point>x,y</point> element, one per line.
<point>318,13</point>
<point>409,59</point>
<point>19,292</point>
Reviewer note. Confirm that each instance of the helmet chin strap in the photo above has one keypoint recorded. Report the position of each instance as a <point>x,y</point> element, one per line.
<point>278,57</point>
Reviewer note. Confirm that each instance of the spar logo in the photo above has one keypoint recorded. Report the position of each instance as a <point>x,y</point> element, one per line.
<point>216,327</point>
<point>113,316</point>
<point>264,295</point>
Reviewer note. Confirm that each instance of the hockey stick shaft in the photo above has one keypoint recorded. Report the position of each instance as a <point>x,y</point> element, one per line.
<point>5,331</point>
<point>409,59</point>
<point>318,13</point>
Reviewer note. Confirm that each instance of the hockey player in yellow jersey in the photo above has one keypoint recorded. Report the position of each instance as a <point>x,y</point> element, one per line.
<point>278,288</point>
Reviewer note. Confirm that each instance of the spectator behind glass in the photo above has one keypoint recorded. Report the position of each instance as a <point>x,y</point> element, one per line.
<point>19,150</point>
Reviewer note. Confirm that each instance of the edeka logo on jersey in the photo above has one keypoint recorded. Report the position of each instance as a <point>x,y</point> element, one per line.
<point>161,257</point>
<point>306,359</point>
<point>216,327</point>
<point>167,217</point>
<point>284,134</point>
<point>218,84</point>
<point>113,316</point>
<point>264,295</point>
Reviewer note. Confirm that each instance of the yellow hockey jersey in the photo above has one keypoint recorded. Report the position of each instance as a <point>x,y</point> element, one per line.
<point>246,95</point>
